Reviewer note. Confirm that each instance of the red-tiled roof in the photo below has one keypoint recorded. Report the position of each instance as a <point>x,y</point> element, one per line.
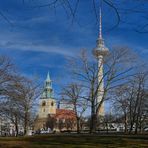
<point>65,114</point>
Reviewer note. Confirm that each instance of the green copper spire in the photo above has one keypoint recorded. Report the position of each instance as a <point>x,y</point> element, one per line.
<point>47,90</point>
<point>48,81</point>
<point>48,77</point>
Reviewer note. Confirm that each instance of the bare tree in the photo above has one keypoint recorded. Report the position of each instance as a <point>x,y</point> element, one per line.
<point>30,93</point>
<point>19,97</point>
<point>131,100</point>
<point>6,72</point>
<point>137,104</point>
<point>73,94</point>
<point>119,10</point>
<point>121,103</point>
<point>117,69</point>
<point>8,106</point>
<point>107,120</point>
<point>10,110</point>
<point>51,122</point>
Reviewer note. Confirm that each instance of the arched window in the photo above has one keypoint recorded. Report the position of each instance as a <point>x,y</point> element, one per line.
<point>43,103</point>
<point>52,103</point>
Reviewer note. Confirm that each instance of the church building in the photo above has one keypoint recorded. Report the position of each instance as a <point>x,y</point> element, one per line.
<point>49,115</point>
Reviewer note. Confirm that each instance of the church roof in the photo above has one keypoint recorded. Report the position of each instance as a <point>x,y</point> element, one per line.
<point>65,114</point>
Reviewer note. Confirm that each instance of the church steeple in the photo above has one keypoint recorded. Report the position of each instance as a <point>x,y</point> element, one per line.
<point>47,104</point>
<point>48,82</point>
<point>48,77</point>
<point>47,90</point>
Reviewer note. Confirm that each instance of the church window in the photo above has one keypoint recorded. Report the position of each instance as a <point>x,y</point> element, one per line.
<point>52,103</point>
<point>44,103</point>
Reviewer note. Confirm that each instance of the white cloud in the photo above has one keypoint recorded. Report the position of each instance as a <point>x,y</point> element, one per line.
<point>37,47</point>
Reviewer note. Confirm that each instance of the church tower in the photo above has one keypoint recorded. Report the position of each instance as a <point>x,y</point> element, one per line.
<point>100,51</point>
<point>47,105</point>
<point>47,102</point>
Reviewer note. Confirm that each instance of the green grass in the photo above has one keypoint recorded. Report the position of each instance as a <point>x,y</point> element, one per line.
<point>75,141</point>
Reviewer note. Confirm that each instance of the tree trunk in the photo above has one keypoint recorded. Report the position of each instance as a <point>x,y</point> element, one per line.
<point>131,126</point>
<point>78,125</point>
<point>136,125</point>
<point>132,123</point>
<point>106,127</point>
<point>16,126</point>
<point>93,121</point>
<point>26,123</point>
<point>125,122</point>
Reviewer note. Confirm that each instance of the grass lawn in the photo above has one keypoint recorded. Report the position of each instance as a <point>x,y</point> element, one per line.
<point>75,141</point>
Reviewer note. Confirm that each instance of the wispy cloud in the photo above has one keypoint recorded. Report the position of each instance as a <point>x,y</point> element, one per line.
<point>37,47</point>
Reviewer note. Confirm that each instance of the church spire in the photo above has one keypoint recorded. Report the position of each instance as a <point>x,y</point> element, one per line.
<point>48,77</point>
<point>47,90</point>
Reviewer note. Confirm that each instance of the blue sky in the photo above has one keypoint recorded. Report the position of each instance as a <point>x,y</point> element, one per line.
<point>41,39</point>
